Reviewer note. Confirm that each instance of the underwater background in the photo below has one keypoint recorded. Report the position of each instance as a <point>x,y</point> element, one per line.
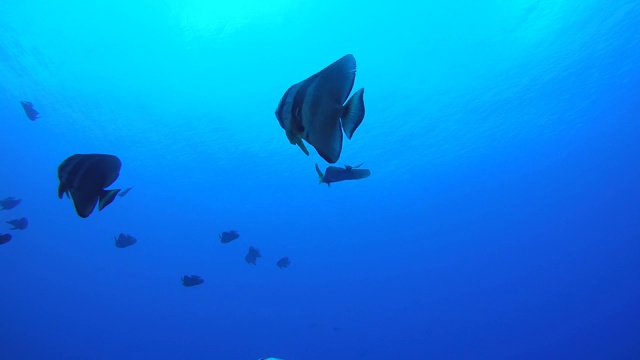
<point>501,219</point>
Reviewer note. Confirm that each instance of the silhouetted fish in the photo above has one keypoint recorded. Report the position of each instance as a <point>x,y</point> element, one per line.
<point>124,192</point>
<point>9,203</point>
<point>335,174</point>
<point>125,240</point>
<point>5,238</point>
<point>192,280</point>
<point>252,255</point>
<point>31,113</point>
<point>283,263</point>
<point>84,178</point>
<point>228,236</point>
<point>19,224</point>
<point>313,109</point>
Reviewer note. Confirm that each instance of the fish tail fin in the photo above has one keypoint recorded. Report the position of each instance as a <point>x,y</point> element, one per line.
<point>106,198</point>
<point>320,174</point>
<point>353,113</point>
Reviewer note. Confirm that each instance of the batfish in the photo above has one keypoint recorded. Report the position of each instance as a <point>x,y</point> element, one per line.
<point>84,177</point>
<point>315,109</point>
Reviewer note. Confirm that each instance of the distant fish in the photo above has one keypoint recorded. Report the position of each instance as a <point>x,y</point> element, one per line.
<point>5,238</point>
<point>125,240</point>
<point>31,113</point>
<point>335,174</point>
<point>9,203</point>
<point>283,263</point>
<point>124,192</point>
<point>228,236</point>
<point>19,224</point>
<point>192,280</point>
<point>315,110</point>
<point>252,255</point>
<point>84,178</point>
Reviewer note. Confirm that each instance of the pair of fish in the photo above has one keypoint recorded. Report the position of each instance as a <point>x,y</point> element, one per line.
<point>9,203</point>
<point>334,174</point>
<point>314,110</point>
<point>31,113</point>
<point>19,224</point>
<point>192,280</point>
<point>125,240</point>
<point>228,236</point>
<point>252,255</point>
<point>84,178</point>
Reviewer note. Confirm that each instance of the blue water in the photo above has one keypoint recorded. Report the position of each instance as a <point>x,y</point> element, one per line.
<point>501,219</point>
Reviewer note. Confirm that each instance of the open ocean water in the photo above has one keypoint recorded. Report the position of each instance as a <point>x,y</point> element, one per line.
<point>501,219</point>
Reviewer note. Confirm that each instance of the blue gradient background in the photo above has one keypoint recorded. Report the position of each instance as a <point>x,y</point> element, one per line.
<point>501,220</point>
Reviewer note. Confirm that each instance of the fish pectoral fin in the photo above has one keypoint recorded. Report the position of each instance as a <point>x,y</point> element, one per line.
<point>294,139</point>
<point>353,113</point>
<point>62,189</point>
<point>302,146</point>
<point>106,198</point>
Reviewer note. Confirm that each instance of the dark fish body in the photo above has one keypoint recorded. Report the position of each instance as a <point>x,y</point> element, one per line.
<point>315,109</point>
<point>31,113</point>
<point>9,203</point>
<point>252,255</point>
<point>334,174</point>
<point>125,240</point>
<point>124,192</point>
<point>18,224</point>
<point>192,280</point>
<point>84,178</point>
<point>228,236</point>
<point>283,263</point>
<point>5,238</point>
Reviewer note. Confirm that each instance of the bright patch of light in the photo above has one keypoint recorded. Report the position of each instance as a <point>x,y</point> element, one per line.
<point>220,18</point>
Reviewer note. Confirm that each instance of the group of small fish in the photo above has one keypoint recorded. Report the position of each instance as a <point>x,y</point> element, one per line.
<point>17,224</point>
<point>253,254</point>
<point>251,257</point>
<point>317,110</point>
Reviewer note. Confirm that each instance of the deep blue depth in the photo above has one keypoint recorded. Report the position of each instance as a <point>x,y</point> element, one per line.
<point>501,219</point>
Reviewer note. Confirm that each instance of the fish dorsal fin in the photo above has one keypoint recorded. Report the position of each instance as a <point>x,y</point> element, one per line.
<point>349,167</point>
<point>338,78</point>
